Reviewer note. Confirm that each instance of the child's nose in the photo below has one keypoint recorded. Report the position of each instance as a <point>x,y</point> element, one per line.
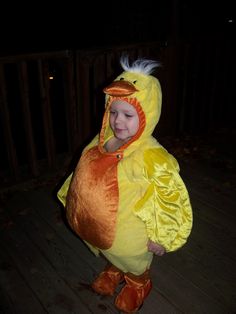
<point>118,118</point>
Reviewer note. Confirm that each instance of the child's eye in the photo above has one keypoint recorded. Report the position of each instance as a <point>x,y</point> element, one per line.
<point>128,115</point>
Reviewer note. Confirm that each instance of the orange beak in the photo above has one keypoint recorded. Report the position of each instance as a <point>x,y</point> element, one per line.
<point>120,89</point>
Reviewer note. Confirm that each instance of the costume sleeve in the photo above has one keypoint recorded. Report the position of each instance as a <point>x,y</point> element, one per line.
<point>61,194</point>
<point>165,206</point>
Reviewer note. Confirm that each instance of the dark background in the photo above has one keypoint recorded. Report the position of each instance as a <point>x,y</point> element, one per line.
<point>202,101</point>
<point>39,26</point>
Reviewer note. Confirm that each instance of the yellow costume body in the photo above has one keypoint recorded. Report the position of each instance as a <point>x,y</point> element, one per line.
<point>117,201</point>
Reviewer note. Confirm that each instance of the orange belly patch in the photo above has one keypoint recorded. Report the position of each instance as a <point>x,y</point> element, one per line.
<point>92,199</point>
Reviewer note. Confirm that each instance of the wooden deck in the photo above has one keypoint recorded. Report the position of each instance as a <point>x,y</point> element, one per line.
<point>45,268</point>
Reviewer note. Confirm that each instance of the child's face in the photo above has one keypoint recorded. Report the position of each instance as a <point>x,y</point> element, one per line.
<point>124,120</point>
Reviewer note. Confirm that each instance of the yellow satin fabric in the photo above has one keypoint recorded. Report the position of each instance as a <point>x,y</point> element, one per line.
<point>165,207</point>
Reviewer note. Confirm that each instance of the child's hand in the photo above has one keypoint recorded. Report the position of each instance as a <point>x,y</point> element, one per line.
<point>155,248</point>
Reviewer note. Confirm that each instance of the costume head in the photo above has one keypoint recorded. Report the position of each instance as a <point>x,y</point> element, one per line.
<point>139,88</point>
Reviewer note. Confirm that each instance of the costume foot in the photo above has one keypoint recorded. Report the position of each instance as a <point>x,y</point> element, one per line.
<point>131,297</point>
<point>108,280</point>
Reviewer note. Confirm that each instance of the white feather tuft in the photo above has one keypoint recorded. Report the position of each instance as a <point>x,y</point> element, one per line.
<point>141,65</point>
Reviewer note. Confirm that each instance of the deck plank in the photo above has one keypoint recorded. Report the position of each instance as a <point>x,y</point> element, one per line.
<point>46,268</point>
<point>53,293</point>
<point>60,266</point>
<point>14,290</point>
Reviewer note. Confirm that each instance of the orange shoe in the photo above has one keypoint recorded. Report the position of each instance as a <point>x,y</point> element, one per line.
<point>108,280</point>
<point>132,295</point>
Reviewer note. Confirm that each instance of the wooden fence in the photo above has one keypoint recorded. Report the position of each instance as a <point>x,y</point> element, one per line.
<point>51,104</point>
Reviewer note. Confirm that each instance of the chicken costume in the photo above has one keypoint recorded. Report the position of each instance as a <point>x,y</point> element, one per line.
<point>117,201</point>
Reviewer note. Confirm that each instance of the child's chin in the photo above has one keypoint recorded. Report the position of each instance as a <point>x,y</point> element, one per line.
<point>123,138</point>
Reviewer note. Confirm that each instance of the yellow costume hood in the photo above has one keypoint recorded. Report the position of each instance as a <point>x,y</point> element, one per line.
<point>143,92</point>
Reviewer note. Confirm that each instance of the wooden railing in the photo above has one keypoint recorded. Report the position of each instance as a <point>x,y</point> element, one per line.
<point>51,104</point>
<point>28,110</point>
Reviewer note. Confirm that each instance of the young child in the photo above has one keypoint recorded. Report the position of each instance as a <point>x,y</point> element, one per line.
<point>125,198</point>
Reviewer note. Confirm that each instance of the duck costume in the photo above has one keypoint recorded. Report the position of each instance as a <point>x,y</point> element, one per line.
<point>119,201</point>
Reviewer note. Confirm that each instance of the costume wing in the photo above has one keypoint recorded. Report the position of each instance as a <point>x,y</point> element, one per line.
<point>165,206</point>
